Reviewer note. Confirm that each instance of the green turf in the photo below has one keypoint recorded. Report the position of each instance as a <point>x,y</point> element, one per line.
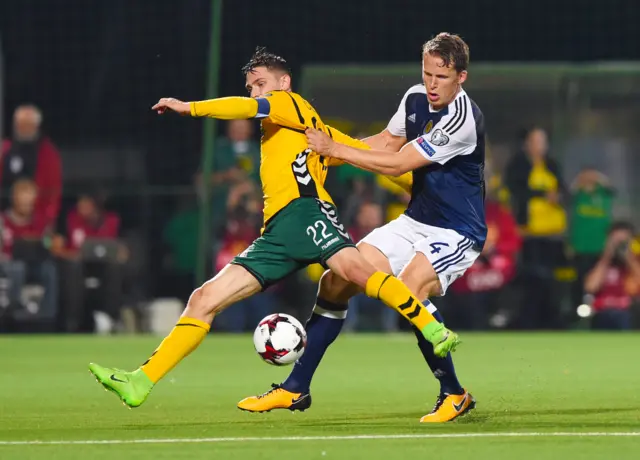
<point>369,384</point>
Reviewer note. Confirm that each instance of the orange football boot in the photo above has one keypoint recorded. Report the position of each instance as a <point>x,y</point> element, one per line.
<point>276,398</point>
<point>450,407</point>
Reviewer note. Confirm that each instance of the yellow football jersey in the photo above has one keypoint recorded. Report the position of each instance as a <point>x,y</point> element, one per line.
<point>288,169</point>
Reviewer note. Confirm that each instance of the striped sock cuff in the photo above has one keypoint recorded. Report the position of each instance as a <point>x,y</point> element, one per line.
<point>431,308</point>
<point>329,309</point>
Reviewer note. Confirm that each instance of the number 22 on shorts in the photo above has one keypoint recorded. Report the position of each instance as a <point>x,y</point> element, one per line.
<point>312,231</point>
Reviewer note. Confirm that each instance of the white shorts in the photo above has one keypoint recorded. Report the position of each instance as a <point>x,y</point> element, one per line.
<point>449,252</point>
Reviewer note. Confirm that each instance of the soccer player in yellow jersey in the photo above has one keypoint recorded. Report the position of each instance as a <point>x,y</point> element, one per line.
<point>301,227</point>
<point>437,133</point>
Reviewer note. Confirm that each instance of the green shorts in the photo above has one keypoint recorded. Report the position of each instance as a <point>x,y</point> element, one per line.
<point>304,232</point>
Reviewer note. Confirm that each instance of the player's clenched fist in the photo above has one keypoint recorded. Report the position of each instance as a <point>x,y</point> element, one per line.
<point>169,103</point>
<point>320,142</point>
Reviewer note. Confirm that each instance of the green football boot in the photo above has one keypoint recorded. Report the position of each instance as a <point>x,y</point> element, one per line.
<point>443,339</point>
<point>448,343</point>
<point>131,387</point>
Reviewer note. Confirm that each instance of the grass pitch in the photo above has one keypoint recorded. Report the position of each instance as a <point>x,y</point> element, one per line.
<point>539,396</point>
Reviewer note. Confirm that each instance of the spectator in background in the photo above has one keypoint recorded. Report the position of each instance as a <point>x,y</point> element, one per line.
<point>536,186</point>
<point>396,200</point>
<point>236,162</point>
<point>23,221</point>
<point>93,281</point>
<point>90,219</point>
<point>353,187</point>
<point>591,216</point>
<point>181,235</point>
<point>614,280</point>
<point>33,156</point>
<point>368,218</point>
<point>476,291</point>
<point>243,227</point>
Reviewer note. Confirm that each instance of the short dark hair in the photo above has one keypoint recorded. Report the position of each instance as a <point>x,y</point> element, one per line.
<point>450,48</point>
<point>263,58</point>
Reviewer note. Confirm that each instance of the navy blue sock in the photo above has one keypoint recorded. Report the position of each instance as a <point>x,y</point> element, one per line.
<point>442,368</point>
<point>322,329</point>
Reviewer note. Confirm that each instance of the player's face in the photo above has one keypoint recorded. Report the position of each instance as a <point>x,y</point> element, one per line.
<point>442,83</point>
<point>261,80</point>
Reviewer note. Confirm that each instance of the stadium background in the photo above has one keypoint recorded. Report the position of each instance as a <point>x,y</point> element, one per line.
<point>95,68</point>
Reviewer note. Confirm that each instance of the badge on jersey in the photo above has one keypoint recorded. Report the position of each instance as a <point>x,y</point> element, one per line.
<point>439,138</point>
<point>422,142</point>
<point>429,126</point>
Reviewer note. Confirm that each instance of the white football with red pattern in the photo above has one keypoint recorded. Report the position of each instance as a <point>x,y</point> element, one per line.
<point>280,339</point>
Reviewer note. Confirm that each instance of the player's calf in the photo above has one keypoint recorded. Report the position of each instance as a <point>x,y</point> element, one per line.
<point>231,285</point>
<point>352,266</point>
<point>323,327</point>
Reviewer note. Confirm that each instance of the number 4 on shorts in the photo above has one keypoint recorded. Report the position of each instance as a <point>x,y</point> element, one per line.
<point>437,247</point>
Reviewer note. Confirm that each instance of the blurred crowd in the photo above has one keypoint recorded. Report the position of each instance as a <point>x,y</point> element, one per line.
<point>61,271</point>
<point>555,257</point>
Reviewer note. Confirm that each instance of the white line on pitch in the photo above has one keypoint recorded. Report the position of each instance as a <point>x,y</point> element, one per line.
<point>568,434</point>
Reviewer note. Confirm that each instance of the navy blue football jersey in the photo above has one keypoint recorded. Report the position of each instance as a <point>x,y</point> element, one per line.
<point>449,192</point>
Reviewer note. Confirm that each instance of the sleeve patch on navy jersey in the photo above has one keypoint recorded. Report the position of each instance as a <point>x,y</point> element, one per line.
<point>426,147</point>
<point>439,138</point>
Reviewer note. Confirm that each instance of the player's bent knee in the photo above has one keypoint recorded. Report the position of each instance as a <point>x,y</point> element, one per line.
<point>197,305</point>
<point>351,266</point>
<point>232,284</point>
<point>194,308</point>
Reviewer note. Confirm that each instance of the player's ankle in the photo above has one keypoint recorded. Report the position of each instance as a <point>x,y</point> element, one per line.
<point>447,390</point>
<point>142,377</point>
<point>434,332</point>
<point>293,387</point>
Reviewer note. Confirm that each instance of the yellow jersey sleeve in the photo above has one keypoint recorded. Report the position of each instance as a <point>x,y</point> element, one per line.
<point>396,185</point>
<point>281,108</point>
<point>226,108</point>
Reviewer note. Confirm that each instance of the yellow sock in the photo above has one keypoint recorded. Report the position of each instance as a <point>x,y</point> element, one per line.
<point>185,337</point>
<point>395,294</point>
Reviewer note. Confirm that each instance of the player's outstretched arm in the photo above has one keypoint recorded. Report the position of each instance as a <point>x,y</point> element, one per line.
<point>381,141</point>
<point>224,108</point>
<point>384,140</point>
<point>379,161</point>
<point>387,140</point>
